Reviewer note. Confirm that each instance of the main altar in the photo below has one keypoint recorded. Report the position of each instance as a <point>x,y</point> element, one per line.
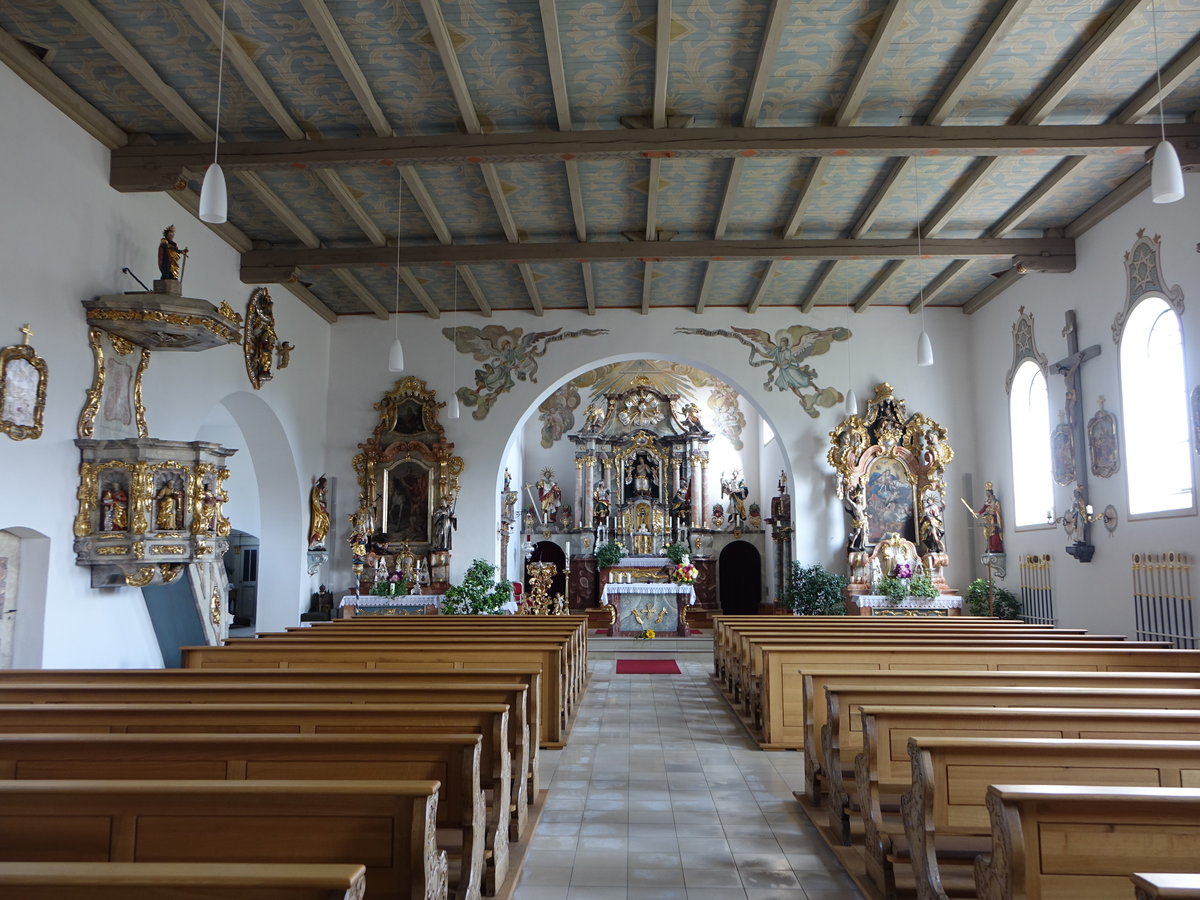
<point>641,597</point>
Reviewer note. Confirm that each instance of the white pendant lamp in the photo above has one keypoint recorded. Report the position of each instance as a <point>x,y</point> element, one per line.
<point>924,349</point>
<point>452,409</point>
<point>214,199</point>
<point>851,403</point>
<point>1166,175</point>
<point>396,354</point>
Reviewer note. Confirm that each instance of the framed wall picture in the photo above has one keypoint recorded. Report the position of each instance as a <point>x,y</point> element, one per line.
<point>1103,448</point>
<point>22,390</point>
<point>889,500</point>
<point>407,501</point>
<point>1062,453</point>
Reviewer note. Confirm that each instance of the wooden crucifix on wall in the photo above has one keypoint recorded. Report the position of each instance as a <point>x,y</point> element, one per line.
<point>1073,429</point>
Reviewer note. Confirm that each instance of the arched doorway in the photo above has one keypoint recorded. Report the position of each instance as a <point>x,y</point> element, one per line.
<point>739,577</point>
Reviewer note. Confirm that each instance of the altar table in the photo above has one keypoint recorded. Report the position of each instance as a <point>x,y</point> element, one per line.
<point>660,607</point>
<point>879,605</point>
<point>374,605</point>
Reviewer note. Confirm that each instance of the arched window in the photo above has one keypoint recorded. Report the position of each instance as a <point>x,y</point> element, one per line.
<point>1153,399</point>
<point>1158,466</point>
<point>1029,421</point>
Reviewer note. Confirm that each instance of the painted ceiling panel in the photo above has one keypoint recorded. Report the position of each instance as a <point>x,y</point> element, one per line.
<point>539,199</point>
<point>1045,38</point>
<point>841,194</point>
<point>501,52</point>
<point>614,196</point>
<point>250,214</point>
<point>921,179</point>
<point>308,197</point>
<point>999,191</point>
<point>1083,188</point>
<point>765,196</point>
<point>618,284</point>
<point>689,197</point>
<point>714,48</point>
<point>608,47</point>
<point>390,42</point>
<point>977,275</point>
<point>731,282</point>
<point>377,191</point>
<point>790,282</point>
<point>461,195</point>
<point>932,41</point>
<point>677,282</point>
<point>502,285</point>
<point>333,293</point>
<point>819,52</point>
<point>560,286</point>
<point>289,51</point>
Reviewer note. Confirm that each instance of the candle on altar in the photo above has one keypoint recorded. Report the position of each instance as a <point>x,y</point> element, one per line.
<point>568,549</point>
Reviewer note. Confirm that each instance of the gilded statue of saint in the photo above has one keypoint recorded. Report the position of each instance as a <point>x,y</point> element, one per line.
<point>169,255</point>
<point>319,515</point>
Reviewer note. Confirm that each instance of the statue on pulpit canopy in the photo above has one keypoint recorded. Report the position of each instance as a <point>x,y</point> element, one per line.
<point>169,255</point>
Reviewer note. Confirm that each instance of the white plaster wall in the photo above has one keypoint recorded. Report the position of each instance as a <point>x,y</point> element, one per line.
<point>67,236</point>
<point>883,346</point>
<point>1098,594</point>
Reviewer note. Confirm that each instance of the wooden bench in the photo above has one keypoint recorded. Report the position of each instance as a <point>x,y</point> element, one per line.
<point>813,709</point>
<point>945,807</point>
<point>389,656</point>
<point>842,738</point>
<point>783,670</point>
<point>1052,841</point>
<point>514,695</point>
<point>387,826</point>
<point>489,720</point>
<point>357,685</point>
<point>452,760</point>
<point>175,881</point>
<point>884,769</point>
<point>1166,886</point>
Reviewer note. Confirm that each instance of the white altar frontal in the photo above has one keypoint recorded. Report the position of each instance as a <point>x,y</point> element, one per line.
<point>647,606</point>
<point>879,605</point>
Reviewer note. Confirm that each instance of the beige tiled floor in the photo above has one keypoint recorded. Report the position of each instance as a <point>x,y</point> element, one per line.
<point>661,795</point>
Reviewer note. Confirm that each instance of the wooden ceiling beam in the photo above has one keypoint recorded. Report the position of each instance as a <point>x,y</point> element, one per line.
<point>992,291</point>
<point>1174,74</point>
<point>938,285</point>
<point>453,71</point>
<point>885,29</point>
<point>414,284</point>
<point>806,304</point>
<point>500,201</point>
<point>1125,191</point>
<point>804,198</point>
<point>530,279</point>
<point>878,283</point>
<point>335,42</point>
<point>662,63</point>
<point>468,278</point>
<point>702,297</point>
<point>311,300</point>
<point>1053,180</point>
<point>65,98</point>
<point>362,292</point>
<point>764,66</point>
<point>736,167</point>
<point>589,288</point>
<point>760,291</point>
<point>647,285</point>
<point>147,168</point>
<point>652,199</point>
<point>424,199</point>
<point>598,251</point>
<point>555,64</point>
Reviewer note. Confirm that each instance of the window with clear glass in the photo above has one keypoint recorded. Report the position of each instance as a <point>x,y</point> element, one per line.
<point>1158,453</point>
<point>1029,420</point>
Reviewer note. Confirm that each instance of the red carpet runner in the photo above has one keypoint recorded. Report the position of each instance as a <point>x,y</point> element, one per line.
<point>647,667</point>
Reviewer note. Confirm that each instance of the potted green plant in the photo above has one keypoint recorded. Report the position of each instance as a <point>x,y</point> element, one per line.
<point>1005,604</point>
<point>815,591</point>
<point>609,555</point>
<point>676,552</point>
<point>479,593</point>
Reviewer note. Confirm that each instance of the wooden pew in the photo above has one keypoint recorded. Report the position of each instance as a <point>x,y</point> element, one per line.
<point>842,738</point>
<point>176,881</point>
<point>489,720</point>
<point>388,826</point>
<point>884,769</point>
<point>1051,841</point>
<point>514,695</point>
<point>784,670</point>
<point>396,656</point>
<point>1164,886</point>
<point>814,708</point>
<point>452,760</point>
<point>357,685</point>
<point>950,777</point>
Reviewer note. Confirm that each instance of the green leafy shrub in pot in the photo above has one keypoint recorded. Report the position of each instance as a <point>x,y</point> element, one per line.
<point>815,591</point>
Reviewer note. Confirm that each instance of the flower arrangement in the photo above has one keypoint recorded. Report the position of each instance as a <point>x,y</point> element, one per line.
<point>685,573</point>
<point>647,635</point>
<point>901,584</point>
<point>677,552</point>
<point>609,554</point>
<point>392,586</point>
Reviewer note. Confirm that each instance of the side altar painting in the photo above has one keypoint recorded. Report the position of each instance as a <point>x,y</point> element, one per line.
<point>891,471</point>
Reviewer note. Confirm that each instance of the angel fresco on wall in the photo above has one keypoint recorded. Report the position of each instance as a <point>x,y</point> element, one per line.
<point>508,356</point>
<point>784,354</point>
